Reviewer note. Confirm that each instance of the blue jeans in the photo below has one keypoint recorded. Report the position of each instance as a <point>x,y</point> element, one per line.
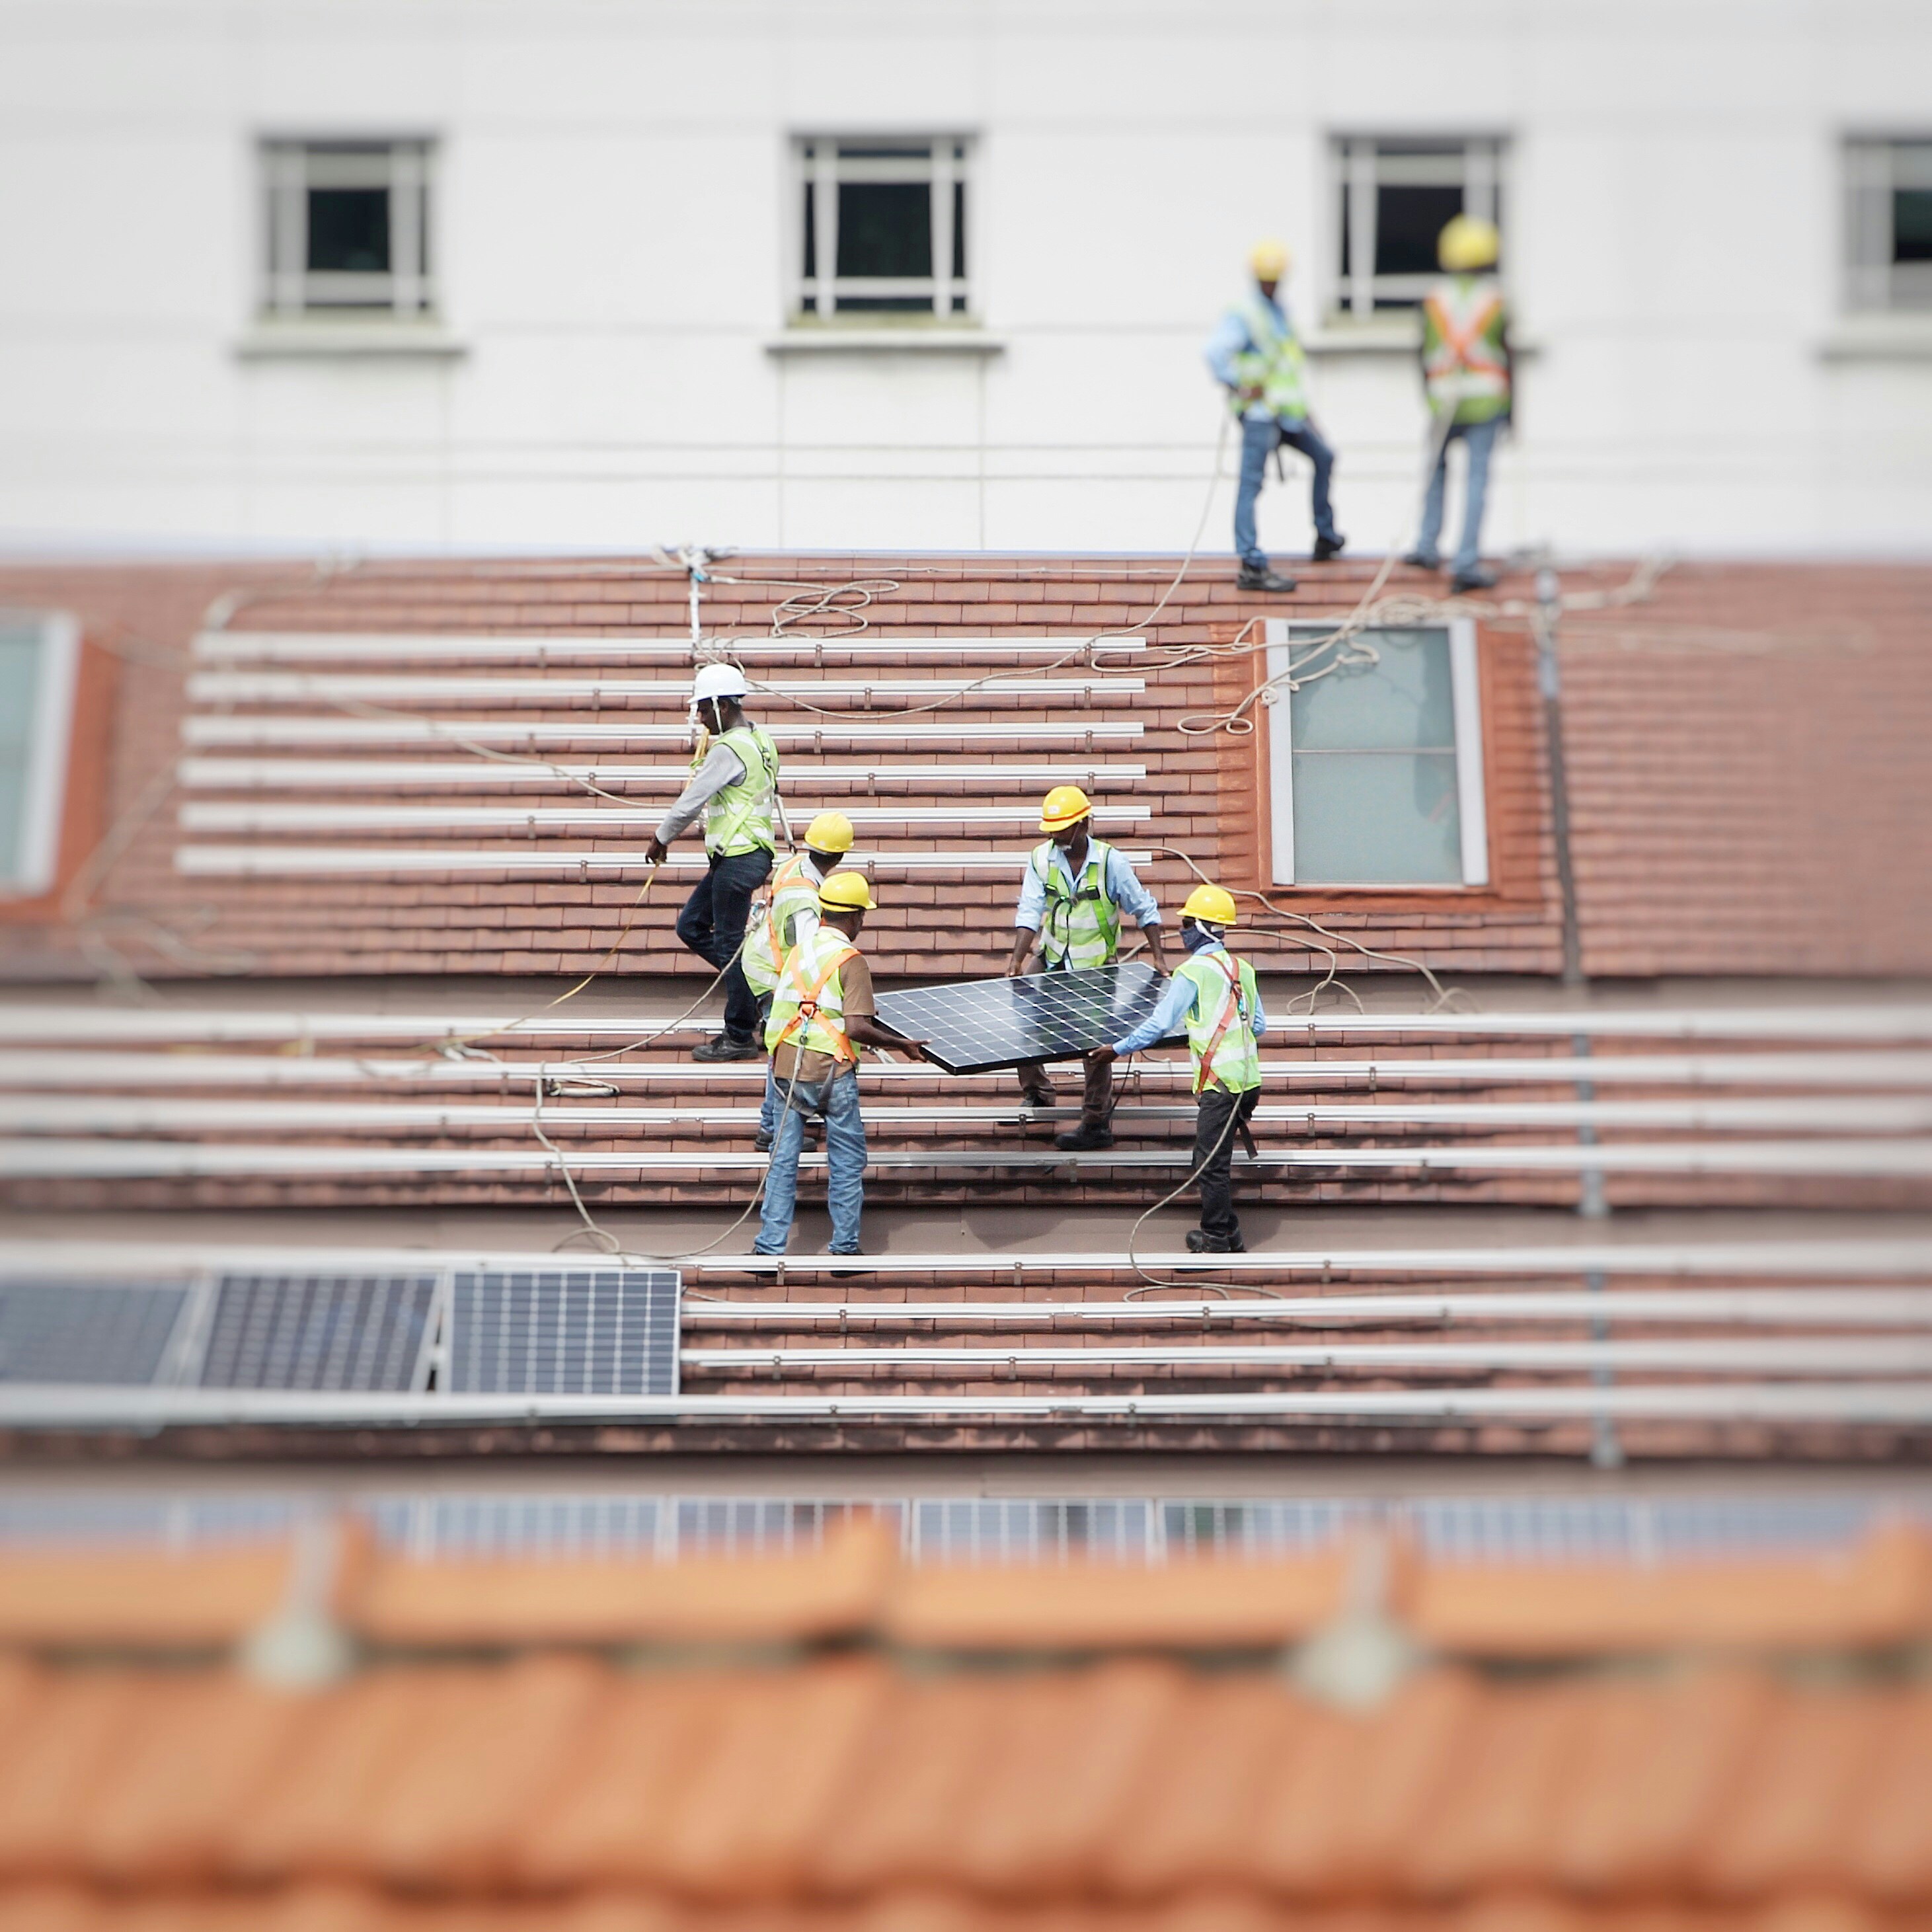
<point>1259,435</point>
<point>1479,439</point>
<point>712,924</point>
<point>836,1097</point>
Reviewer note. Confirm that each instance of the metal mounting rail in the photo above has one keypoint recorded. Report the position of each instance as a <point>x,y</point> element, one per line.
<point>1903,1404</point>
<point>390,646</point>
<point>247,861</point>
<point>222,815</point>
<point>49,1159</point>
<point>801,779</point>
<point>230,728</point>
<point>278,687</point>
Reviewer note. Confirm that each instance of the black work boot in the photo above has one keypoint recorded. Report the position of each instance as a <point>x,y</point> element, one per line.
<point>1422,559</point>
<point>1327,546</point>
<point>1249,578</point>
<point>1200,1242</point>
<point>1087,1137</point>
<point>1481,578</point>
<point>729,1046</point>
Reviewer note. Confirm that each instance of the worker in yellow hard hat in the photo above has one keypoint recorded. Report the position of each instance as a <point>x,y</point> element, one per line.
<point>1256,356</point>
<point>789,910</point>
<point>822,1013</point>
<point>1468,376</point>
<point>1071,901</point>
<point>1214,996</point>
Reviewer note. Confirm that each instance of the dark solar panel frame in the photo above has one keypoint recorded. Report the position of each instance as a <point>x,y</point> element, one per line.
<point>976,1025</point>
<point>564,1331</point>
<point>355,1334</point>
<point>98,1333</point>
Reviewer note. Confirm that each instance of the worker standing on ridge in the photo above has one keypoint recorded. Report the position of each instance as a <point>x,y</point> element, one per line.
<point>1256,356</point>
<point>734,783</point>
<point>822,1004</point>
<point>1071,903</point>
<point>1468,375</point>
<point>784,915</point>
<point>1216,995</point>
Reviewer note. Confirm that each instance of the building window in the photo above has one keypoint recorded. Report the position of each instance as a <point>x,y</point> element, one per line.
<point>1396,198</point>
<point>39,657</point>
<point>1889,224</point>
<point>882,227</point>
<point>1375,757</point>
<point>347,228</point>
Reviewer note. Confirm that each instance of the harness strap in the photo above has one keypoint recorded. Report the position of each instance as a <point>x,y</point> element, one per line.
<point>1458,344</point>
<point>808,1004</point>
<point>1204,1072</point>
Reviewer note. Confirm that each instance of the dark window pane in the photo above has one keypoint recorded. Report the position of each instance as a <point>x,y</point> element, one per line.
<point>1912,224</point>
<point>885,228</point>
<point>1408,220</point>
<point>1348,266</point>
<point>923,152</point>
<point>959,231</point>
<point>906,305</point>
<point>810,232</point>
<point>349,230</point>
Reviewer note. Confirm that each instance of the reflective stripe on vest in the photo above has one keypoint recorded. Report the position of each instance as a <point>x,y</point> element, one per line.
<point>809,1008</point>
<point>1083,925</point>
<point>739,818</point>
<point>1220,1024</point>
<point>772,932</point>
<point>1272,362</point>
<point>1463,365</point>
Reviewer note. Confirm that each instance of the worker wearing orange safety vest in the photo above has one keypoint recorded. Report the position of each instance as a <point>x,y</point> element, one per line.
<point>787,912</point>
<point>1467,376</point>
<point>822,1013</point>
<point>1214,995</point>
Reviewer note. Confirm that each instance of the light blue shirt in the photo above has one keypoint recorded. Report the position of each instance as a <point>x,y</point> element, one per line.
<point>1232,335</point>
<point>1125,890</point>
<point>1177,999</point>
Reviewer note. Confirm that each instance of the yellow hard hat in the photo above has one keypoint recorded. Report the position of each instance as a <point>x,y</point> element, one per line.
<point>1211,903</point>
<point>845,892</point>
<point>829,832</point>
<point>1065,805</point>
<point>1467,243</point>
<point>1269,260</point>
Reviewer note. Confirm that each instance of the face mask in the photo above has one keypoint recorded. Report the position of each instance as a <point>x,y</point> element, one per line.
<point>1195,936</point>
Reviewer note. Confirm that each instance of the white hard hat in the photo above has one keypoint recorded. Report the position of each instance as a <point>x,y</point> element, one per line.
<point>718,680</point>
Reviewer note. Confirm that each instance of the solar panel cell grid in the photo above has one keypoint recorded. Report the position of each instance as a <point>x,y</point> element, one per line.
<point>977,1024</point>
<point>553,1331</point>
<point>85,1332</point>
<point>318,1332</point>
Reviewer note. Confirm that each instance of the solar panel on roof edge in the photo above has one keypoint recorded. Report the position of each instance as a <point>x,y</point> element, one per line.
<point>973,1026</point>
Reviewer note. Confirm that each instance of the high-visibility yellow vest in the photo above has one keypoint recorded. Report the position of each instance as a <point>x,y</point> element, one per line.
<point>1221,1023</point>
<point>808,1006</point>
<point>773,929</point>
<point>1082,927</point>
<point>1272,361</point>
<point>1465,367</point>
<point>739,818</point>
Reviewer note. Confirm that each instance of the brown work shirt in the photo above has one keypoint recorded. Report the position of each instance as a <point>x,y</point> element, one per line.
<point>855,981</point>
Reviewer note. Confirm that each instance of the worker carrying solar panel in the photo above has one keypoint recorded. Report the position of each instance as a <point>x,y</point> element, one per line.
<point>787,912</point>
<point>821,1006</point>
<point>1215,994</point>
<point>733,784</point>
<point>1075,889</point>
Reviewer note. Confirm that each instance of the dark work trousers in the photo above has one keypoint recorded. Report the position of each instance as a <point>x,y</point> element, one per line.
<point>712,924</point>
<point>1217,1126</point>
<point>1096,1102</point>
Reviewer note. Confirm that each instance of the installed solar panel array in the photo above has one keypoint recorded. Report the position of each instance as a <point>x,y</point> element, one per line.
<point>61,1331</point>
<point>554,1331</point>
<point>319,1332</point>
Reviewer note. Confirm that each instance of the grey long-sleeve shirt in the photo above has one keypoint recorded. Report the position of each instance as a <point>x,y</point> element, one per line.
<point>722,767</point>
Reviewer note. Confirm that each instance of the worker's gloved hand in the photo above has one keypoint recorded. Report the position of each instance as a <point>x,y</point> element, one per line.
<point>654,852</point>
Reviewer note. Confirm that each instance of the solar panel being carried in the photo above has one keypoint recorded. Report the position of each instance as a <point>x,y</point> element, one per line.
<point>556,1331</point>
<point>974,1025</point>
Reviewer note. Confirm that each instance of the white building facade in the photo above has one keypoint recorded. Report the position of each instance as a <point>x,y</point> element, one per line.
<point>590,275</point>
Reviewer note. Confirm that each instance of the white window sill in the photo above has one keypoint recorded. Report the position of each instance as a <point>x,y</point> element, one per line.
<point>1879,338</point>
<point>917,339</point>
<point>272,341</point>
<point>1392,335</point>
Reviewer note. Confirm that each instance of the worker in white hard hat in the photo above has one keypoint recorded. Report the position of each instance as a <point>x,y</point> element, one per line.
<point>733,784</point>
<point>822,1013</point>
<point>786,912</point>
<point>1256,356</point>
<point>1214,996</point>
<point>1071,901</point>
<point>1468,377</point>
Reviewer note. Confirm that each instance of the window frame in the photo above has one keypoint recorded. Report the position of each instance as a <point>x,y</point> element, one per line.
<point>818,164</point>
<point>33,870</point>
<point>289,167</point>
<point>1869,176</point>
<point>1465,695</point>
<point>1356,169</point>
